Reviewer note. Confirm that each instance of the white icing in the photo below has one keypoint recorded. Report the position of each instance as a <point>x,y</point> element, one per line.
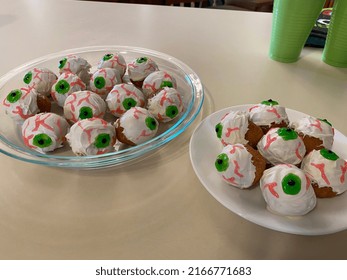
<point>83,134</point>
<point>51,124</point>
<point>324,172</point>
<point>315,128</point>
<point>134,125</point>
<point>77,65</point>
<point>139,69</point>
<point>276,150</point>
<point>119,94</point>
<point>111,77</point>
<point>42,80</point>
<point>264,115</point>
<point>241,170</point>
<point>159,104</point>
<point>234,127</point>
<point>153,82</point>
<point>282,203</point>
<point>24,107</point>
<point>77,100</point>
<point>75,83</point>
<point>117,61</point>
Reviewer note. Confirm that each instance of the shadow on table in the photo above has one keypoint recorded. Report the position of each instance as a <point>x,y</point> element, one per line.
<point>6,19</point>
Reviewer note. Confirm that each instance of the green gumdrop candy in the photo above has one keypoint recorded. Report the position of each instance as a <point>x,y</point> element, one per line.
<point>62,63</point>
<point>326,121</point>
<point>107,57</point>
<point>99,82</point>
<point>141,59</point>
<point>129,103</point>
<point>291,184</point>
<point>42,140</point>
<point>102,140</point>
<point>287,133</point>
<point>171,111</point>
<point>14,96</point>
<point>269,102</point>
<point>218,129</point>
<point>330,155</point>
<point>85,113</point>
<point>62,87</point>
<point>151,123</point>
<point>166,84</point>
<point>28,77</point>
<point>222,162</point>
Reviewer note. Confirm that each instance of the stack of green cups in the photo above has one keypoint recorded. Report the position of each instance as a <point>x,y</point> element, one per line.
<point>335,49</point>
<point>292,22</point>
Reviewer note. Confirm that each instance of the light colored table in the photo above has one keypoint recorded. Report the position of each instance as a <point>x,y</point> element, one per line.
<point>156,208</point>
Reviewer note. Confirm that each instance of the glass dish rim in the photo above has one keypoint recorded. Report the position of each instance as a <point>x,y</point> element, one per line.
<point>116,157</point>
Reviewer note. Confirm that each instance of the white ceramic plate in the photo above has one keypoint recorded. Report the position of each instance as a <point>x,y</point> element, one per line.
<point>329,216</point>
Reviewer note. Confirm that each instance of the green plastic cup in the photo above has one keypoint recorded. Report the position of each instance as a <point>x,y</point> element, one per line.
<point>292,22</point>
<point>335,49</point>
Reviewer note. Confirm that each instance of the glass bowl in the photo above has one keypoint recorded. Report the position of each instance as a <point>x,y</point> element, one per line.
<point>189,85</point>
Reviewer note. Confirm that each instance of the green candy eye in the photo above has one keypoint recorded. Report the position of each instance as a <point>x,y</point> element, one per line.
<point>42,140</point>
<point>141,59</point>
<point>14,96</point>
<point>222,162</point>
<point>330,155</point>
<point>218,130</point>
<point>326,121</point>
<point>62,63</point>
<point>107,56</point>
<point>171,111</point>
<point>103,140</point>
<point>166,84</point>
<point>287,133</point>
<point>291,184</point>
<point>99,82</point>
<point>151,123</point>
<point>85,113</point>
<point>269,102</point>
<point>129,103</point>
<point>62,87</point>
<point>27,78</point>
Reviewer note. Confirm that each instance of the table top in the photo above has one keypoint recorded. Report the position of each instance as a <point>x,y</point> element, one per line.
<point>156,208</point>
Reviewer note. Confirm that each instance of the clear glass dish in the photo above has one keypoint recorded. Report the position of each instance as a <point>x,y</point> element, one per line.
<point>188,82</point>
